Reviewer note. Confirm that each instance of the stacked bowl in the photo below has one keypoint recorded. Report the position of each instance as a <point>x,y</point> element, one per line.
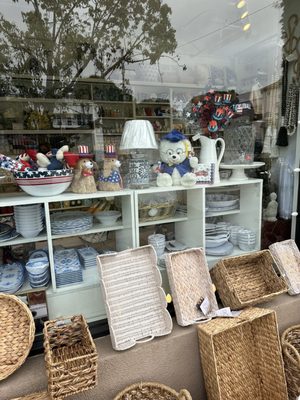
<point>158,241</point>
<point>44,183</point>
<point>246,239</point>
<point>38,269</point>
<point>29,220</point>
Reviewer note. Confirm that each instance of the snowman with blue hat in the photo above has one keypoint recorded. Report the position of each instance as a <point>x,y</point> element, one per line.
<point>177,162</point>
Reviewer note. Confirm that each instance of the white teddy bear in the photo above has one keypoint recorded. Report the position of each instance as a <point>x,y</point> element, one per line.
<point>177,164</point>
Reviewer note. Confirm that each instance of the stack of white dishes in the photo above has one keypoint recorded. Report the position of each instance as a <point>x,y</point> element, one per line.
<point>220,202</point>
<point>12,277</point>
<point>67,267</point>
<point>175,245</point>
<point>38,269</point>
<point>234,233</point>
<point>158,241</point>
<point>29,220</point>
<point>217,239</point>
<point>246,239</point>
<point>88,257</point>
<point>7,233</point>
<point>68,222</point>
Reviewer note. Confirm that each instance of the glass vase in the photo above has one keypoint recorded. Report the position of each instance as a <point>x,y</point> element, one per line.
<point>239,144</point>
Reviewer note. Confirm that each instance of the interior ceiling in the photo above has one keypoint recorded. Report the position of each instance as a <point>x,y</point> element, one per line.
<point>213,28</point>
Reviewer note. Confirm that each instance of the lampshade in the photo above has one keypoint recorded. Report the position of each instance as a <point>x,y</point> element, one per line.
<point>138,134</point>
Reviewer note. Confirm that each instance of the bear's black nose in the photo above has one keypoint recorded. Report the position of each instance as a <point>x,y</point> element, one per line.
<point>174,156</point>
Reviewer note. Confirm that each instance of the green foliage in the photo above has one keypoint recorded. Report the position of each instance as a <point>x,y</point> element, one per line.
<point>62,37</point>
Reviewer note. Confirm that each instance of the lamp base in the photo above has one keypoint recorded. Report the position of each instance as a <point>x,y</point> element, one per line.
<point>139,173</point>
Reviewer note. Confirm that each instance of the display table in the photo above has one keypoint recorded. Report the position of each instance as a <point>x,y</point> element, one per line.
<point>172,360</point>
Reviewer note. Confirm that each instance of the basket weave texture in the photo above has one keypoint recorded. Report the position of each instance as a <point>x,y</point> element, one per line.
<point>189,282</point>
<point>17,331</point>
<point>247,280</point>
<point>70,355</point>
<point>287,257</point>
<point>163,210</point>
<point>241,357</point>
<point>152,391</point>
<point>290,341</point>
<point>135,302</point>
<point>35,396</point>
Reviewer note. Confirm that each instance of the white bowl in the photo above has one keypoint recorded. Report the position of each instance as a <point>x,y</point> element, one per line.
<point>45,186</point>
<point>107,217</point>
<point>29,233</point>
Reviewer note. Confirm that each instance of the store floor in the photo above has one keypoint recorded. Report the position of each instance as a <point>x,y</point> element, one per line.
<point>173,360</point>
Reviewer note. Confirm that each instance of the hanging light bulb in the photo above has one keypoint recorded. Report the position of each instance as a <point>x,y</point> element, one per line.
<point>244,15</point>
<point>246,27</point>
<point>241,4</point>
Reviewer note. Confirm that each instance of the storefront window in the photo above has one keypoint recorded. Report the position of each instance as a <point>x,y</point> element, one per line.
<point>72,73</point>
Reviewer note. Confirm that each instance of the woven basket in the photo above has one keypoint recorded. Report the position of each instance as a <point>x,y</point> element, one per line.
<point>155,212</point>
<point>17,331</point>
<point>152,391</point>
<point>287,257</point>
<point>190,281</point>
<point>70,355</point>
<point>290,341</point>
<point>35,396</point>
<point>247,280</point>
<point>241,357</point>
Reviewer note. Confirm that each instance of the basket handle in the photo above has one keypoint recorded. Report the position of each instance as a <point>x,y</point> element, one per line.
<point>147,339</point>
<point>184,395</point>
<point>287,348</point>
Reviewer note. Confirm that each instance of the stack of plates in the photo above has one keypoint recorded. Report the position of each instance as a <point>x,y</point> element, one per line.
<point>67,267</point>
<point>12,277</point>
<point>217,239</point>
<point>221,202</point>
<point>29,220</point>
<point>7,233</point>
<point>67,222</point>
<point>38,269</point>
<point>234,233</point>
<point>88,257</point>
<point>246,239</point>
<point>158,241</point>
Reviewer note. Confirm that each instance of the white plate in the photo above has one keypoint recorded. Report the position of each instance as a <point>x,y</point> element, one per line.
<point>215,243</point>
<point>223,250</point>
<point>174,245</point>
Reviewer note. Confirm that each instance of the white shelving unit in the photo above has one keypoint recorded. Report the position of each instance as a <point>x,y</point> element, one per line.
<point>86,297</point>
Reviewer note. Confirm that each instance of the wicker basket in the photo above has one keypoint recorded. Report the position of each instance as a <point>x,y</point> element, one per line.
<point>287,257</point>
<point>153,212</point>
<point>241,357</point>
<point>152,391</point>
<point>247,280</point>
<point>17,331</point>
<point>70,355</point>
<point>290,341</point>
<point>189,282</point>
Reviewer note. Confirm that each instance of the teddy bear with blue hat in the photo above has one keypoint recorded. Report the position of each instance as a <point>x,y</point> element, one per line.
<point>177,162</point>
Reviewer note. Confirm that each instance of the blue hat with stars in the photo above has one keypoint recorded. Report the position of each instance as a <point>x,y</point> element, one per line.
<point>174,136</point>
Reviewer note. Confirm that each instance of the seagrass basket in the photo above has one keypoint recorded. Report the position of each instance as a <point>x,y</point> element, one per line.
<point>70,355</point>
<point>152,391</point>
<point>247,280</point>
<point>17,331</point>
<point>153,212</point>
<point>287,257</point>
<point>290,341</point>
<point>241,357</point>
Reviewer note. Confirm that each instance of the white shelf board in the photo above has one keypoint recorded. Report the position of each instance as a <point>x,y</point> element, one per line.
<point>26,288</point>
<point>217,213</point>
<point>21,240</point>
<point>90,279</point>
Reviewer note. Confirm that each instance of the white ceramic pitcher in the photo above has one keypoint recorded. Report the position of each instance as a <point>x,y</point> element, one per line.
<point>208,153</point>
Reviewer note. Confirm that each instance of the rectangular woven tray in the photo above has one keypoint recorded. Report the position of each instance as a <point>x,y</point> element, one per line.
<point>241,357</point>
<point>190,281</point>
<point>134,299</point>
<point>35,396</point>
<point>287,257</point>
<point>247,280</point>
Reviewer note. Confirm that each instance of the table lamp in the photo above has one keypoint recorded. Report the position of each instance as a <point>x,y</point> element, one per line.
<point>138,137</point>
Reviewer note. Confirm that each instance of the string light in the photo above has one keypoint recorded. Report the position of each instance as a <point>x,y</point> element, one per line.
<point>244,15</point>
<point>246,27</point>
<point>241,4</point>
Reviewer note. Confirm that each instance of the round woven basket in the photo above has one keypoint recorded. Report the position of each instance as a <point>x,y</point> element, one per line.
<point>290,341</point>
<point>16,332</point>
<point>152,391</point>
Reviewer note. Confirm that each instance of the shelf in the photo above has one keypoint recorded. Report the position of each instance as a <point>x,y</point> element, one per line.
<point>97,229</point>
<point>153,103</point>
<point>112,118</point>
<point>176,218</point>
<point>26,288</point>
<point>90,279</point>
<point>217,213</point>
<point>20,240</point>
<point>153,116</point>
<point>211,260</point>
<point>111,102</point>
<point>39,100</point>
<point>57,131</point>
